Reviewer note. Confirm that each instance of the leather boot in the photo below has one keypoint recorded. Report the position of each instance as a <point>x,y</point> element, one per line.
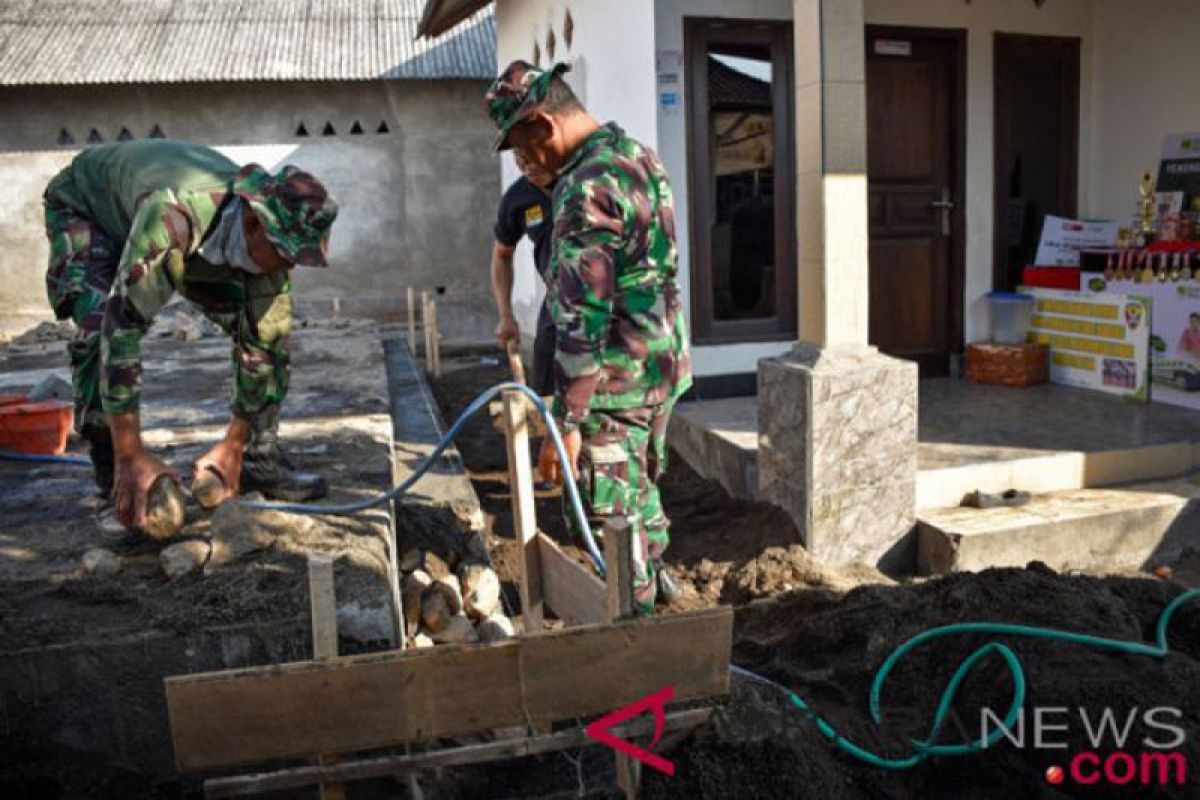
<point>266,469</point>
<point>100,449</point>
<point>668,590</point>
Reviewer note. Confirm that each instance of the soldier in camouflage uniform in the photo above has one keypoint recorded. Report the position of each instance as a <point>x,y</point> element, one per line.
<point>622,353</point>
<point>130,224</point>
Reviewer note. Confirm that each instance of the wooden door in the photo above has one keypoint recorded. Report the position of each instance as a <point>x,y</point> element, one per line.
<point>915,147</point>
<point>1037,145</point>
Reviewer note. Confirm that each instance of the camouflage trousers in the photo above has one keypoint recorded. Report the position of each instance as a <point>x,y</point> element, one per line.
<point>255,310</point>
<point>623,456</point>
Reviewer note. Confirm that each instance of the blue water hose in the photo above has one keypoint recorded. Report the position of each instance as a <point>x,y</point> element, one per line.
<point>346,509</point>
<point>37,458</point>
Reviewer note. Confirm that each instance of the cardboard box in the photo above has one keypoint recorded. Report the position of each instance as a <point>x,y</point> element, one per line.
<point>1008,364</point>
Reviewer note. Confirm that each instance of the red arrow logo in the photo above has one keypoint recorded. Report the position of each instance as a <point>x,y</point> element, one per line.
<point>601,729</point>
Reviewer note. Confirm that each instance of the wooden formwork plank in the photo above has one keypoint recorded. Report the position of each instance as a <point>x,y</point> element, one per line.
<point>572,592</point>
<point>524,510</point>
<point>229,719</point>
<point>675,724</point>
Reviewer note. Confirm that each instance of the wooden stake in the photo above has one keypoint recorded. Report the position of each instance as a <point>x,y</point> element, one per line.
<point>323,601</point>
<point>425,329</point>
<point>618,573</point>
<point>618,578</point>
<point>520,483</point>
<point>436,338</point>
<point>514,361</point>
<point>411,308</point>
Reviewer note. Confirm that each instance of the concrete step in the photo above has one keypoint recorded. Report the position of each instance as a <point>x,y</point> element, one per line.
<point>1132,526</point>
<point>941,483</point>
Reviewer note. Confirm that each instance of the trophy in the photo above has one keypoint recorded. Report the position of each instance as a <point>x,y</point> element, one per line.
<point>1146,210</point>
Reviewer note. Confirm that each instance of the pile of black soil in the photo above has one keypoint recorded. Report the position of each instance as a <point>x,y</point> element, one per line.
<point>827,648</point>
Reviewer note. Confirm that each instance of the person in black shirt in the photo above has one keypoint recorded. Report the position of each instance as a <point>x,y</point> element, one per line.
<point>525,211</point>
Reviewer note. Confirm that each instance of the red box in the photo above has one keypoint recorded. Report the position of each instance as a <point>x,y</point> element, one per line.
<point>1052,278</point>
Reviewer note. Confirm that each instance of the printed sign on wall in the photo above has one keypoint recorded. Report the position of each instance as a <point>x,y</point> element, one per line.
<point>1099,342</point>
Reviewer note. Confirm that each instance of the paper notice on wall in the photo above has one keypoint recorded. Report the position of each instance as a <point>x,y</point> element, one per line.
<point>1097,341</point>
<point>1062,239</point>
<point>1174,336</point>
<point>669,65</point>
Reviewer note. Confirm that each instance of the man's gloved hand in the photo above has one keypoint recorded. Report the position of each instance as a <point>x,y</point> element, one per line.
<point>136,474</point>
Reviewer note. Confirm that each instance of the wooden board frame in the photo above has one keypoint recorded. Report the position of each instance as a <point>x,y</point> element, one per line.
<point>229,719</point>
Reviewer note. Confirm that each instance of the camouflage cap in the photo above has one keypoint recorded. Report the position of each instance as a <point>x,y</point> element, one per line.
<point>295,209</point>
<point>513,96</point>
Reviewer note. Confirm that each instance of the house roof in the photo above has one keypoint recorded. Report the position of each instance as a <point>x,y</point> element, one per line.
<point>729,88</point>
<point>54,42</point>
<point>442,15</point>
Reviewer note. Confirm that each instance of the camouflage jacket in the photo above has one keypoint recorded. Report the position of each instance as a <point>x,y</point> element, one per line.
<point>157,198</point>
<point>621,337</point>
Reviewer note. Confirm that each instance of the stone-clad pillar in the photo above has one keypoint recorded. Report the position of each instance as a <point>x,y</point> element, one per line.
<point>837,419</point>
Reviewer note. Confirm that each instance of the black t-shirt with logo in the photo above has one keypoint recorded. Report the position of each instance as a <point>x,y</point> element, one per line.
<point>525,211</point>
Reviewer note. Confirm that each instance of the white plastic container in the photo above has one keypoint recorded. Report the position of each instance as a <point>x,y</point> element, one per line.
<point>1010,315</point>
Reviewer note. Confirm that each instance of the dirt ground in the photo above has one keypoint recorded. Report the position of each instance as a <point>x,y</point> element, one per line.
<point>823,633</point>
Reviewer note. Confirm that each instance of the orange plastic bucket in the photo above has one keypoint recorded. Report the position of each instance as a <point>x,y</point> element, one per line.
<point>8,400</point>
<point>36,428</point>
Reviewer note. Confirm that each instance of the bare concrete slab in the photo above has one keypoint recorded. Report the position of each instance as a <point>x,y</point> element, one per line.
<point>1133,526</point>
<point>992,438</point>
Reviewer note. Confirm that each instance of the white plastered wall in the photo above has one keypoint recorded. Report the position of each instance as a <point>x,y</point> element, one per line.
<point>672,147</point>
<point>612,59</point>
<point>1146,63</point>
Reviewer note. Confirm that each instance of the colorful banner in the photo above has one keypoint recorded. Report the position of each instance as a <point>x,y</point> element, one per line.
<point>1097,341</point>
<point>1174,335</point>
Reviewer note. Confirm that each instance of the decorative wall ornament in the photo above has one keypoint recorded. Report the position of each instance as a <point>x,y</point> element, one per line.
<point>65,137</point>
<point>537,54</point>
<point>302,130</point>
<point>551,45</point>
<point>569,30</point>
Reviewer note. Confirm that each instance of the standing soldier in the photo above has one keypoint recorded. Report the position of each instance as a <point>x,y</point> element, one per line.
<point>129,225</point>
<point>622,354</point>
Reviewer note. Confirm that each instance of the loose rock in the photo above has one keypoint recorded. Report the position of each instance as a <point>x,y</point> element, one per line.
<point>412,589</point>
<point>51,387</point>
<point>184,558</point>
<point>208,489</point>
<point>496,628</point>
<point>481,590</point>
<point>451,589</point>
<point>458,630</point>
<point>435,612</point>
<point>422,641</point>
<point>99,561</point>
<point>238,531</point>
<point>413,559</point>
<point>164,509</point>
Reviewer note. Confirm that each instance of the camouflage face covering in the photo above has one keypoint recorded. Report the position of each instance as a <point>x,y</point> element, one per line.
<point>296,211</point>
<point>513,96</point>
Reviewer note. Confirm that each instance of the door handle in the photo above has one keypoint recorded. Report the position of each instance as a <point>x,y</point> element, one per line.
<point>945,205</point>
